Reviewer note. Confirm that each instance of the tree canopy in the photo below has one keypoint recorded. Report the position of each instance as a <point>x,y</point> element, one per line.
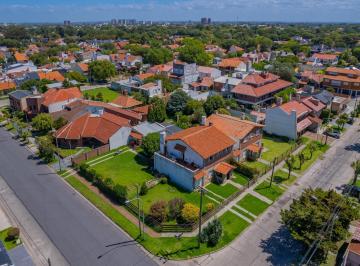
<point>101,70</point>
<point>193,51</point>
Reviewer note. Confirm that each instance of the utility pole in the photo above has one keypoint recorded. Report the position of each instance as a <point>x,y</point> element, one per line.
<point>200,211</point>
<point>272,172</point>
<point>57,147</point>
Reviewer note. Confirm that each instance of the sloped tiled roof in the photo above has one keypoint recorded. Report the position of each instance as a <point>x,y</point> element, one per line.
<point>53,75</point>
<point>300,108</point>
<point>204,140</point>
<point>7,85</point>
<point>126,101</point>
<point>249,90</point>
<point>234,127</point>
<point>100,127</point>
<point>19,57</point>
<point>313,104</point>
<point>59,95</point>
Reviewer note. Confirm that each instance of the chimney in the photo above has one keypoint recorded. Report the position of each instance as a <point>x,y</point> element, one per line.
<point>203,120</point>
<point>162,142</point>
<point>298,97</point>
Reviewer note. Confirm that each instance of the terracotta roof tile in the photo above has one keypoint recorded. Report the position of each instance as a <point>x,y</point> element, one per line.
<point>126,101</point>
<point>59,95</point>
<point>300,108</point>
<point>53,76</point>
<point>7,85</point>
<point>223,168</point>
<point>325,56</point>
<point>19,57</point>
<point>204,140</point>
<point>249,90</point>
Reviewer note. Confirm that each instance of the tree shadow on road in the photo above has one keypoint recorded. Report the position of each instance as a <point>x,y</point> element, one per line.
<point>282,248</point>
<point>353,147</point>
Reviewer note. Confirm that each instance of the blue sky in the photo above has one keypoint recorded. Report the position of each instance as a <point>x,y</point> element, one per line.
<point>218,10</point>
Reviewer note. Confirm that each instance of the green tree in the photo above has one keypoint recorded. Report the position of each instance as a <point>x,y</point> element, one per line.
<point>190,213</point>
<point>59,123</point>
<point>143,189</point>
<point>290,164</point>
<point>101,70</point>
<point>39,59</point>
<point>42,122</point>
<point>177,102</point>
<point>156,56</point>
<point>213,103</point>
<point>312,148</point>
<point>211,234</point>
<point>307,215</point>
<point>167,85</point>
<point>157,112</point>
<point>193,51</point>
<point>151,144</point>
<point>284,70</point>
<point>73,75</point>
<point>263,43</point>
<point>183,121</point>
<point>301,158</point>
<point>46,148</point>
<point>175,207</point>
<point>120,193</point>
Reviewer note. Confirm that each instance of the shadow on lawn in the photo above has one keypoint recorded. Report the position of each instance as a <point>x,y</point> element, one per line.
<point>282,248</point>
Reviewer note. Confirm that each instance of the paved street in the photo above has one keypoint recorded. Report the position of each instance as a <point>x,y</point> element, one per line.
<point>76,228</point>
<point>266,242</point>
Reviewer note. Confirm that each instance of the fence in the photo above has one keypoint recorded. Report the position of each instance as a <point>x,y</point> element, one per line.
<point>90,154</point>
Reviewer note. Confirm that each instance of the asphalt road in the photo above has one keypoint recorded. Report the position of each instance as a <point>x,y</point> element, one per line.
<point>76,228</point>
<point>266,241</point>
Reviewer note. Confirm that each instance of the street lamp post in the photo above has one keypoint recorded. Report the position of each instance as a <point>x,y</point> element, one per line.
<point>141,229</point>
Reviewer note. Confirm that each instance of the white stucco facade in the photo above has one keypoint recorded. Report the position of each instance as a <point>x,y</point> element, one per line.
<point>280,123</point>
<point>120,138</point>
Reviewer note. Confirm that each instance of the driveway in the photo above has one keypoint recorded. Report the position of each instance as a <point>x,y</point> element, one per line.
<point>78,230</point>
<point>267,242</point>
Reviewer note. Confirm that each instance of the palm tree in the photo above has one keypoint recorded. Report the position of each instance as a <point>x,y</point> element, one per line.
<point>290,163</point>
<point>301,158</point>
<point>356,166</point>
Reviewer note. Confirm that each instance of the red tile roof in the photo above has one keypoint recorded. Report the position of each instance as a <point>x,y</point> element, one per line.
<point>142,109</point>
<point>199,175</point>
<point>300,108</point>
<point>313,104</point>
<point>231,62</point>
<point>260,79</point>
<point>253,148</point>
<point>249,90</point>
<point>303,124</point>
<point>19,57</point>
<point>59,95</point>
<point>126,101</point>
<point>234,127</point>
<point>7,85</point>
<point>145,76</point>
<point>223,168</point>
<point>204,140</point>
<point>53,76</point>
<point>325,56</point>
<point>100,127</point>
<point>83,67</point>
<point>355,72</point>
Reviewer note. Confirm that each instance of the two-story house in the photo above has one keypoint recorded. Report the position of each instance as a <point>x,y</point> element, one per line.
<point>190,156</point>
<point>246,134</point>
<point>343,80</point>
<point>184,73</point>
<point>291,120</point>
<point>259,89</point>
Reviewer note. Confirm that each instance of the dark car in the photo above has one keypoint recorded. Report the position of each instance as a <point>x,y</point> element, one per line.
<point>333,134</point>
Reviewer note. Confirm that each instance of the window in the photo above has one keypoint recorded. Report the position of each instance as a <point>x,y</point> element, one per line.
<point>345,83</point>
<point>356,84</point>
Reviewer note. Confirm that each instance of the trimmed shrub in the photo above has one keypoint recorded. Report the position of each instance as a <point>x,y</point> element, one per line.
<point>190,213</point>
<point>120,193</point>
<point>163,180</point>
<point>175,207</point>
<point>211,234</point>
<point>210,206</point>
<point>158,211</point>
<point>13,233</point>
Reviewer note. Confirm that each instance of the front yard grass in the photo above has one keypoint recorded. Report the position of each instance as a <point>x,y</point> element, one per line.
<point>68,152</point>
<point>224,191</point>
<point>8,244</point>
<point>253,204</point>
<point>261,167</point>
<point>309,161</point>
<point>107,94</point>
<point>281,177</point>
<point>167,192</point>
<point>275,147</point>
<point>170,247</point>
<point>240,178</point>
<point>126,169</point>
<point>271,193</point>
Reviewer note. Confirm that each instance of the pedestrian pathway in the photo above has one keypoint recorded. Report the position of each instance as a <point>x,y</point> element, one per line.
<point>246,211</point>
<point>264,161</point>
<point>260,197</point>
<point>241,216</point>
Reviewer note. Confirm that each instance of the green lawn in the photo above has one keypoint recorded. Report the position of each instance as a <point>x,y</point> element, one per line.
<point>167,192</point>
<point>8,244</point>
<point>275,147</point>
<point>172,248</point>
<point>309,161</point>
<point>125,169</point>
<point>235,208</point>
<point>224,191</point>
<point>271,193</point>
<point>357,183</point>
<point>281,177</point>
<point>240,178</point>
<point>108,95</point>
<point>68,152</point>
<point>256,165</point>
<point>253,204</point>
<point>233,225</point>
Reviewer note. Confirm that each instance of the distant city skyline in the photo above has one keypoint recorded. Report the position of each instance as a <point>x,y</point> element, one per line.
<point>55,11</point>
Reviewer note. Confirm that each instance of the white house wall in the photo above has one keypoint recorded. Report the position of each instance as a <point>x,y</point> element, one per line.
<point>120,138</point>
<point>190,155</point>
<point>280,123</point>
<point>59,106</point>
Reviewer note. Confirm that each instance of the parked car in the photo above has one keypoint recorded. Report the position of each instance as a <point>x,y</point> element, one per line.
<point>350,121</point>
<point>333,134</point>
